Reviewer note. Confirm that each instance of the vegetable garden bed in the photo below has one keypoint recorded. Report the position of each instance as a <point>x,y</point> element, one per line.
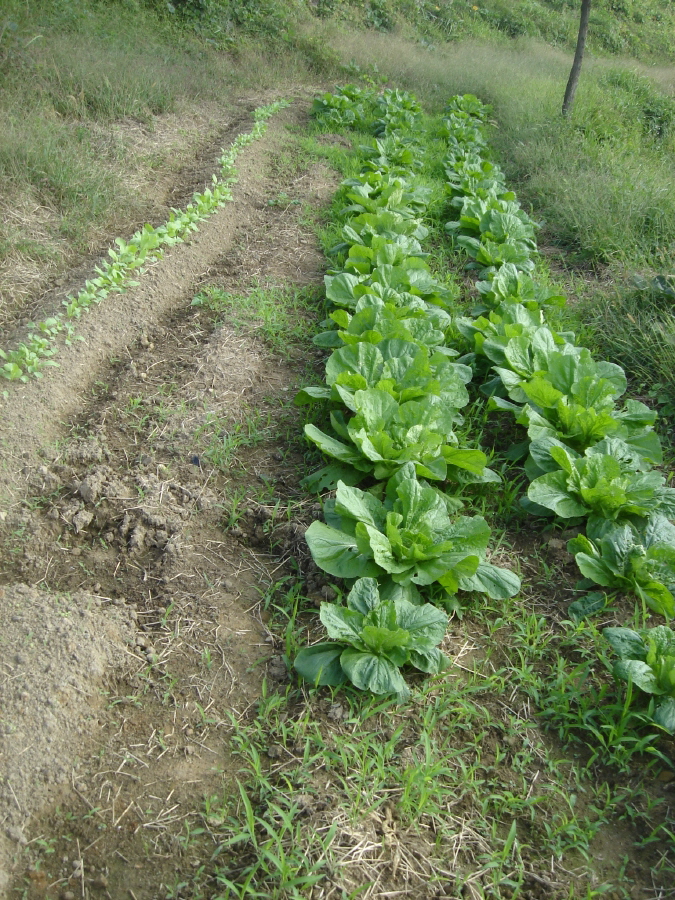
<point>466,729</point>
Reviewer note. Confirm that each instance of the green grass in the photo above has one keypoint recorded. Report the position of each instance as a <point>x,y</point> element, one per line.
<point>284,318</point>
<point>636,328</point>
<point>226,438</point>
<point>642,28</point>
<point>463,786</point>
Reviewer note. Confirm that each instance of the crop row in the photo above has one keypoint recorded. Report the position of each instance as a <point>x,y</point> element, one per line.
<point>128,259</point>
<point>393,530</point>
<point>396,386</point>
<point>590,458</point>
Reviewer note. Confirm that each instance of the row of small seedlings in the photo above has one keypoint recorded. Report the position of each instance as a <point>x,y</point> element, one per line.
<point>128,260</point>
<point>396,383</point>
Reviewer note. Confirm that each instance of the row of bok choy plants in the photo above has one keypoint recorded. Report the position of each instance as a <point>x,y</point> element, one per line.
<point>394,530</point>
<point>590,457</point>
<point>396,383</point>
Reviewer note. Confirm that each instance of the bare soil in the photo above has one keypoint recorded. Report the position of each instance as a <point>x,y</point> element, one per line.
<point>132,621</point>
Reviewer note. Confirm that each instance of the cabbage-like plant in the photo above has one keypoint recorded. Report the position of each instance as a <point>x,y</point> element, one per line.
<point>412,535</point>
<point>647,660</point>
<point>372,638</point>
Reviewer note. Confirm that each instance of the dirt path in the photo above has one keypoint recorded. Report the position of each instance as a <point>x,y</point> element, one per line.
<point>132,621</point>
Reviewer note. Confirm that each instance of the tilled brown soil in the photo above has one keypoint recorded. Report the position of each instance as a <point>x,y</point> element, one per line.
<point>132,620</point>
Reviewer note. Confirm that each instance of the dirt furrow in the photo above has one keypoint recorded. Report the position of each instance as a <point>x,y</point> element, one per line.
<point>122,471</point>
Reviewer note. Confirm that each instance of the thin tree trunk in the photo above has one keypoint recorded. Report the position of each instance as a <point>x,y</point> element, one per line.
<point>578,58</point>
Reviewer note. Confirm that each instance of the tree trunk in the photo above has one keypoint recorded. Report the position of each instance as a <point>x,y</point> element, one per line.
<point>573,80</point>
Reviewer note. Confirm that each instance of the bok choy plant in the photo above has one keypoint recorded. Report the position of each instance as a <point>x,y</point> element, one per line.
<point>385,435</point>
<point>412,537</point>
<point>601,486</point>
<point>647,660</point>
<point>372,638</point>
<point>630,557</point>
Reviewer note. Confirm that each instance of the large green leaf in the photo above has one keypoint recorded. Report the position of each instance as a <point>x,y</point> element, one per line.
<point>431,660</point>
<point>359,505</point>
<point>657,597</point>
<point>456,572</point>
<point>373,673</point>
<point>311,395</point>
<point>517,353</point>
<point>375,409</point>
<point>332,447</point>
<point>664,714</point>
<point>614,373</point>
<point>341,623</point>
<point>425,623</point>
<point>659,530</point>
<point>587,606</point>
<point>337,552</point>
<point>340,289</point>
<point>327,340</point>
<point>597,570</point>
<point>497,583</point>
<point>364,595</point>
<point>469,534</point>
<point>551,491</point>
<point>663,639</point>
<point>383,640</point>
<point>541,392</point>
<point>465,458</point>
<point>419,503</point>
<point>639,673</point>
<point>383,553</point>
<point>320,664</point>
<point>626,643</point>
<point>358,359</point>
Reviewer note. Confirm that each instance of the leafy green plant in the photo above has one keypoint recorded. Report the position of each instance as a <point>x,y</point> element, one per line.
<point>385,223</point>
<point>393,155</point>
<point>571,399</point>
<point>349,106</point>
<point>375,320</point>
<point>647,660</point>
<point>372,638</point>
<point>386,435</point>
<point>557,390</point>
<point>375,190</point>
<point>401,285</point>
<point>411,536</point>
<point>628,557</point>
<point>510,285</point>
<point>600,485</point>
<point>405,370</point>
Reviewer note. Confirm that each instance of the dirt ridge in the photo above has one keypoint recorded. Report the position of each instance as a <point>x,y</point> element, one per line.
<point>121,526</point>
<point>30,414</point>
